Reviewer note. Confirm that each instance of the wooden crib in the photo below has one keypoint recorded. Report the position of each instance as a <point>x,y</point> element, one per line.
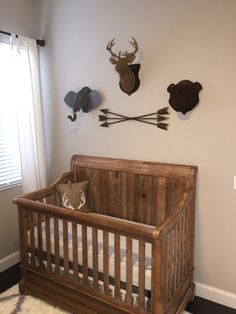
<point>132,254</point>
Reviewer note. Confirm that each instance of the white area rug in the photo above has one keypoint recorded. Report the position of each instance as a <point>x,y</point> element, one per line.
<point>11,302</point>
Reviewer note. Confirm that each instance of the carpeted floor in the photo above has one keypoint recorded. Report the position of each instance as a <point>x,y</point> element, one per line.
<point>11,302</point>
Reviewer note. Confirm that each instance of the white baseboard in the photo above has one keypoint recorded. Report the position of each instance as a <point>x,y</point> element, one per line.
<point>216,295</point>
<point>9,261</point>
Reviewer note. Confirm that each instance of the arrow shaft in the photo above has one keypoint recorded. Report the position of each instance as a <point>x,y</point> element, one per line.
<point>117,118</point>
<point>144,121</point>
<point>146,115</point>
<point>116,114</point>
<point>118,121</point>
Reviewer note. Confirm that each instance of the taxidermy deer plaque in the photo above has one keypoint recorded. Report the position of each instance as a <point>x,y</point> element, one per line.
<point>129,80</point>
<point>184,96</point>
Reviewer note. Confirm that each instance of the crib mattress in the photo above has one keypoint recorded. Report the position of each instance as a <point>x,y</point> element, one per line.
<point>135,251</point>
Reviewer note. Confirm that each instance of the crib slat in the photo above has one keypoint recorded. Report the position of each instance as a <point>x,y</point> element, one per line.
<point>95,258</point>
<point>105,262</point>
<point>85,255</point>
<point>65,248</point>
<point>158,290</point>
<point>117,266</point>
<point>129,273</point>
<point>48,243</point>
<point>141,274</point>
<point>168,248</point>
<point>175,257</point>
<point>172,263</point>
<point>40,241</point>
<point>32,240</point>
<point>75,252</point>
<point>23,222</point>
<point>179,253</point>
<point>56,245</point>
<point>183,247</point>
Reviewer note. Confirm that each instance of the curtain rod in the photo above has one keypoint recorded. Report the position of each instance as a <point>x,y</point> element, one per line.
<point>40,42</point>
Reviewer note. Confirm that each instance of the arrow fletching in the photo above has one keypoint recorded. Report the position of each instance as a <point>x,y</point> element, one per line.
<point>163,111</point>
<point>162,126</point>
<point>105,125</point>
<point>102,118</point>
<point>161,118</point>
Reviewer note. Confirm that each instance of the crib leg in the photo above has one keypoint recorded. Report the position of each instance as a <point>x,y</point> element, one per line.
<point>193,287</point>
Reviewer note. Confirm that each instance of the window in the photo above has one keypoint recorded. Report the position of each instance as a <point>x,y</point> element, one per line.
<point>21,120</point>
<point>10,165</point>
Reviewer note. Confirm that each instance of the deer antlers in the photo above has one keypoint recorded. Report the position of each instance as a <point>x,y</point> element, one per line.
<point>129,56</point>
<point>65,200</point>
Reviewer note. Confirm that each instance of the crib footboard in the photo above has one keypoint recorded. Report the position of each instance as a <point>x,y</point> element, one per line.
<point>93,263</point>
<point>83,262</point>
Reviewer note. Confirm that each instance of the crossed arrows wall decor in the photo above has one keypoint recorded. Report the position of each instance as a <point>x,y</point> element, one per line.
<point>153,118</point>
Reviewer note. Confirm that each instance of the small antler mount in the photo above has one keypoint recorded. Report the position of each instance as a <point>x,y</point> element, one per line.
<point>128,73</point>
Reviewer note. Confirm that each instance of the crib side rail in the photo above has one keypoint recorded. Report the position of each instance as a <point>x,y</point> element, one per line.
<point>47,195</point>
<point>136,230</point>
<point>176,242</point>
<point>84,268</point>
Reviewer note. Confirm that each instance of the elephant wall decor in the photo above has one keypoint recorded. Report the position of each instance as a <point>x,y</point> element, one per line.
<point>85,100</point>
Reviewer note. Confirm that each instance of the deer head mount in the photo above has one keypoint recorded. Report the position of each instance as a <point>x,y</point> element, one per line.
<point>129,80</point>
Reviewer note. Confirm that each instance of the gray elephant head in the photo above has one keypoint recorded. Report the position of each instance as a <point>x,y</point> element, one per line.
<point>85,100</point>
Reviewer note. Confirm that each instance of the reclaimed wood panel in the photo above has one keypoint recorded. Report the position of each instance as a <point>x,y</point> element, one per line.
<point>132,166</point>
<point>147,197</point>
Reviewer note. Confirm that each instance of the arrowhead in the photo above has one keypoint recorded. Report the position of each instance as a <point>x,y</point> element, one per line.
<point>105,125</point>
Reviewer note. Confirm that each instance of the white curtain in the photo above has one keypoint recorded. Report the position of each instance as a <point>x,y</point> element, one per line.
<point>26,95</point>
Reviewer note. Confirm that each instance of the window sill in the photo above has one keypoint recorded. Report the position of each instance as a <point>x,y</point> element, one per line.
<point>10,186</point>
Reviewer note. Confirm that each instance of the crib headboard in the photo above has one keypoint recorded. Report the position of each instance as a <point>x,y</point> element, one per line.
<point>146,192</point>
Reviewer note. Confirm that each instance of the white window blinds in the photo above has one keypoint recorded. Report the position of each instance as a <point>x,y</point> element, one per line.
<point>10,165</point>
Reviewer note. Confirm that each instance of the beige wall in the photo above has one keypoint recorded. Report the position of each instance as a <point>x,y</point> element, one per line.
<point>9,234</point>
<point>19,17</point>
<point>179,40</point>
